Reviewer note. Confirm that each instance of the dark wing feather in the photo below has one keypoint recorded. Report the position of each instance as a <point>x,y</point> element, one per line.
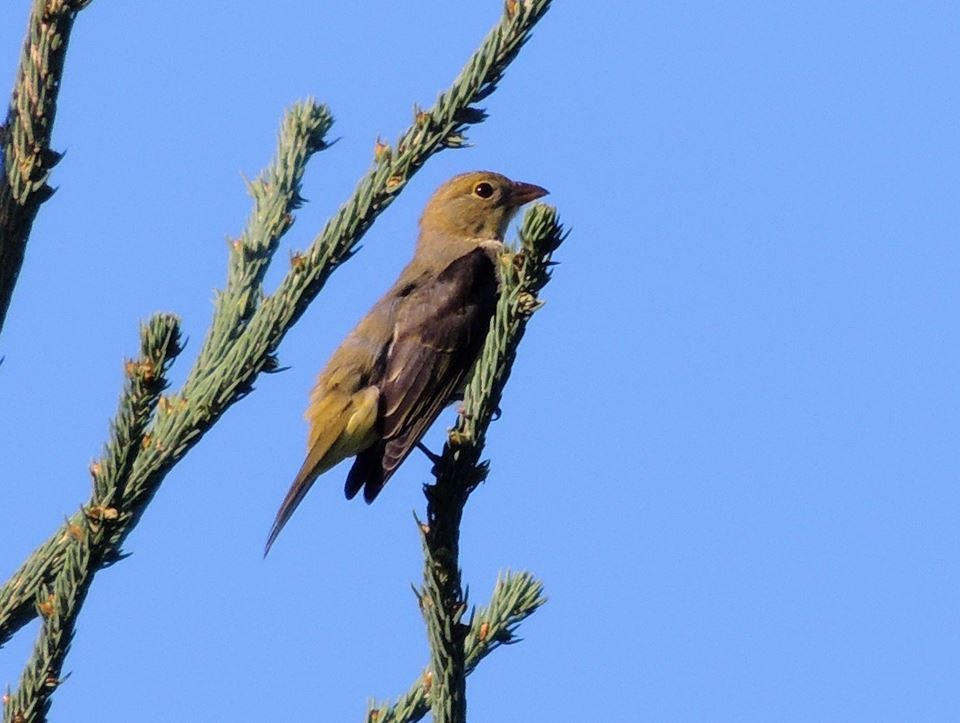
<point>439,332</point>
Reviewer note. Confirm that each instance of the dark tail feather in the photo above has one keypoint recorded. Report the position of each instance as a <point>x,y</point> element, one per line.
<point>367,473</point>
<point>298,490</point>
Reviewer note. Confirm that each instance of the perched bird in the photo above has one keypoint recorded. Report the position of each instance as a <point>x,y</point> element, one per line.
<point>409,356</point>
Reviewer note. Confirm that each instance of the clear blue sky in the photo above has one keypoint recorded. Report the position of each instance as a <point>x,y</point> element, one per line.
<point>729,446</point>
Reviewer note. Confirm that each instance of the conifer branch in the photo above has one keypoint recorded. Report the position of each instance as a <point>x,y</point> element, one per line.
<point>26,159</point>
<point>89,531</point>
<point>459,470</point>
<point>275,193</point>
<point>515,597</point>
<point>119,480</point>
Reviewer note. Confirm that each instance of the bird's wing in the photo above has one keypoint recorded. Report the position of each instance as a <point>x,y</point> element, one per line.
<point>439,332</point>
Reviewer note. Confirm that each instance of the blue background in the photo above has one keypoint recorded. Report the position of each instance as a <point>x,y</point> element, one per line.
<point>729,445</point>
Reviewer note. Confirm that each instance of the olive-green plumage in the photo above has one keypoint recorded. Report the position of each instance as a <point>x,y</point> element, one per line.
<point>409,356</point>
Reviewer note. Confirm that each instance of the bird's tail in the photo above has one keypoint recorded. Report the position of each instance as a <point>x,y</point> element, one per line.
<point>340,427</point>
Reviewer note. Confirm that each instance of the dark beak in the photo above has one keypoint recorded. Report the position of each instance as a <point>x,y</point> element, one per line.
<point>521,193</point>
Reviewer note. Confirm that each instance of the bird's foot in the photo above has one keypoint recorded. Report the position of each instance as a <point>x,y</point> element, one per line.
<point>435,458</point>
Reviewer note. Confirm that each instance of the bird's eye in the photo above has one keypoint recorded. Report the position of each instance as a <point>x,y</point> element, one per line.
<point>483,190</point>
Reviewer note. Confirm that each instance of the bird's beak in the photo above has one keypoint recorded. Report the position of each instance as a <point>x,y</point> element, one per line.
<point>521,193</point>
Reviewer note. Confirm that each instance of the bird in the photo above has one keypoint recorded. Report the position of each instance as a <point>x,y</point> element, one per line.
<point>410,356</point>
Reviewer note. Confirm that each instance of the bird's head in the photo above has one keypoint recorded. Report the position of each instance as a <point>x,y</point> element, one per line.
<point>476,205</point>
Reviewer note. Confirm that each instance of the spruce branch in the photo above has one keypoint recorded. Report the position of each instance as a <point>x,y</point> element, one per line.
<point>234,355</point>
<point>26,158</point>
<point>515,597</point>
<point>89,531</point>
<point>459,470</point>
